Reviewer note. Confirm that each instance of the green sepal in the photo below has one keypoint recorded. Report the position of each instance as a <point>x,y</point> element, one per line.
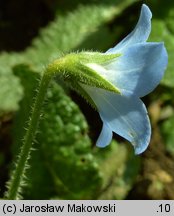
<point>96,57</point>
<point>73,69</point>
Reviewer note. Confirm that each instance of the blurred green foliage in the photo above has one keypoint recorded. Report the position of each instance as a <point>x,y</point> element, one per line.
<point>163,30</point>
<point>168,134</point>
<point>69,31</point>
<point>64,163</point>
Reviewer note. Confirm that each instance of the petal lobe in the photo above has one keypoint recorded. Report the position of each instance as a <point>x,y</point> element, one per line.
<point>140,33</point>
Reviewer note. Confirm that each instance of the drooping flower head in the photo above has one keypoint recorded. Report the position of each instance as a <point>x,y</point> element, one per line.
<point>115,81</point>
<point>136,71</point>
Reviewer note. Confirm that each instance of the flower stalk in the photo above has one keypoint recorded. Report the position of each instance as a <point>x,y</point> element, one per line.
<point>17,178</point>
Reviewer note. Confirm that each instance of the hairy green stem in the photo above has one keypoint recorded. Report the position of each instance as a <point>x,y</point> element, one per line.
<point>19,172</point>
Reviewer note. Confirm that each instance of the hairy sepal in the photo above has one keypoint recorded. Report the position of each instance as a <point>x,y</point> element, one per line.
<point>73,69</point>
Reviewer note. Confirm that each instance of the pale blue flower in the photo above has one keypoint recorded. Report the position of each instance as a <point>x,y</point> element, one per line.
<point>136,72</point>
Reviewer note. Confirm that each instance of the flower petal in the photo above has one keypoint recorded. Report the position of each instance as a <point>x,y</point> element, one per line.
<point>126,115</point>
<point>139,70</point>
<point>139,34</point>
<point>105,136</point>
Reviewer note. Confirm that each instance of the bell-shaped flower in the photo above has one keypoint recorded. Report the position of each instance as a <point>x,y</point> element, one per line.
<point>135,71</point>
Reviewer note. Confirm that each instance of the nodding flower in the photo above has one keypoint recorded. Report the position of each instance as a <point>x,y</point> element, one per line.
<point>135,72</point>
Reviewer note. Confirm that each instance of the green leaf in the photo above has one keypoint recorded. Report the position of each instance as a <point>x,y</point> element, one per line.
<point>11,88</point>
<point>66,148</point>
<point>119,168</point>
<point>83,29</point>
<point>10,91</point>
